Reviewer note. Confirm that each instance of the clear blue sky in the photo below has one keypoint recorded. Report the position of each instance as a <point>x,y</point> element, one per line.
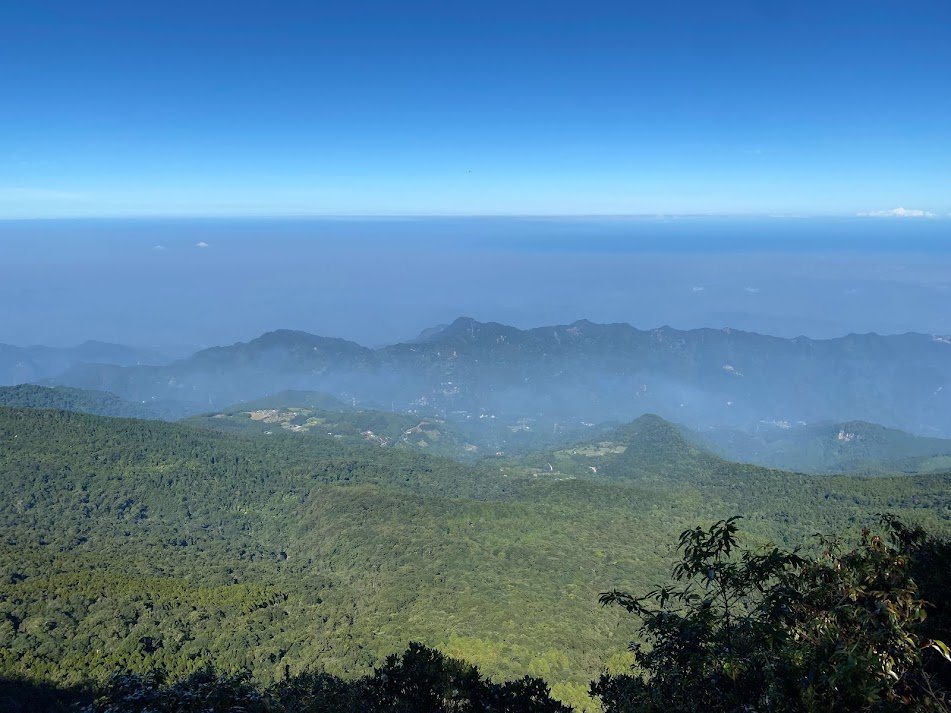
<point>294,108</point>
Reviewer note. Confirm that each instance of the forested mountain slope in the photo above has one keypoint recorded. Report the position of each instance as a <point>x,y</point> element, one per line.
<point>308,414</point>
<point>141,544</point>
<point>314,414</point>
<point>647,450</point>
<point>852,446</point>
<point>100,403</point>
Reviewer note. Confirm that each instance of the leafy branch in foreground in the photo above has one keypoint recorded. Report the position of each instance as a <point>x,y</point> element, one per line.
<point>771,630</point>
<point>420,680</point>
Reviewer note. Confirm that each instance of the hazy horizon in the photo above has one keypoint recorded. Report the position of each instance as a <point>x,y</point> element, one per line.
<point>691,166</point>
<point>195,283</point>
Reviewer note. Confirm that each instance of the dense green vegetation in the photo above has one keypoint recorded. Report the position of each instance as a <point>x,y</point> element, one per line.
<point>306,413</point>
<point>767,629</point>
<point>420,680</point>
<point>771,629</point>
<point>313,413</point>
<point>142,545</point>
<point>460,437</point>
<point>100,403</point>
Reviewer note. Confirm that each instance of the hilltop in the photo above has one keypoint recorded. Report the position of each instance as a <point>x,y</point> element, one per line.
<point>649,450</point>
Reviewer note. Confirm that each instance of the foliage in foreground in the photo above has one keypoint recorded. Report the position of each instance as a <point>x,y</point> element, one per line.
<point>421,680</point>
<point>772,630</point>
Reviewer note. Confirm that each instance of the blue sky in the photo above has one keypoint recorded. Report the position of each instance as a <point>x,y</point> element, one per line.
<point>312,108</point>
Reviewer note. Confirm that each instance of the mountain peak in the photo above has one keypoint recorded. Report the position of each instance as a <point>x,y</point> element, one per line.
<point>285,336</point>
<point>296,339</point>
<point>467,329</point>
<point>287,349</point>
<point>460,324</point>
<point>650,425</point>
<point>659,448</point>
<point>430,333</point>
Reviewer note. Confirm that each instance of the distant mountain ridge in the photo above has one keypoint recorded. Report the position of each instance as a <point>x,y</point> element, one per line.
<point>295,347</point>
<point>843,447</point>
<point>577,372</point>
<point>33,363</point>
<point>99,403</point>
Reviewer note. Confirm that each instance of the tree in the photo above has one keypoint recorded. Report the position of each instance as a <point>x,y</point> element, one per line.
<point>772,630</point>
<point>420,680</point>
<point>424,680</point>
<point>202,692</point>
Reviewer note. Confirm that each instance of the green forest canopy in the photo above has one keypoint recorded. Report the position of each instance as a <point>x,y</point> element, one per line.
<point>142,545</point>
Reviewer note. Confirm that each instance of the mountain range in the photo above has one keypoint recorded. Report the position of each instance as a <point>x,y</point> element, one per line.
<point>34,363</point>
<point>571,374</point>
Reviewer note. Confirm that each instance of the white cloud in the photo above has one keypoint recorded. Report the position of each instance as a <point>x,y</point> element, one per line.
<point>202,244</point>
<point>158,247</point>
<point>898,213</point>
<point>752,290</point>
<point>698,288</point>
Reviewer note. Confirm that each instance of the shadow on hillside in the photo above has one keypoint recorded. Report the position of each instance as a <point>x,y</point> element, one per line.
<point>20,696</point>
